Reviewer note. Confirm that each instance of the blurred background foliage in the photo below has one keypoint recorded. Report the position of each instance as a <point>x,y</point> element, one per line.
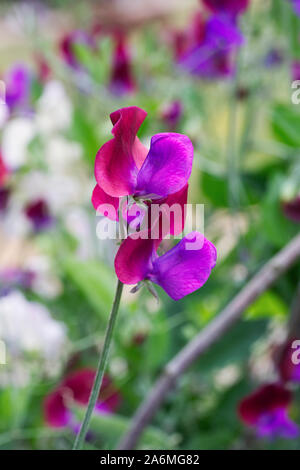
<point>246,135</point>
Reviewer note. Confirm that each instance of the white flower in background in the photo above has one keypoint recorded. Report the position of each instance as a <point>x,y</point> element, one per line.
<point>79,225</point>
<point>28,328</point>
<point>54,109</point>
<point>61,154</point>
<point>44,281</point>
<point>58,190</point>
<point>17,135</point>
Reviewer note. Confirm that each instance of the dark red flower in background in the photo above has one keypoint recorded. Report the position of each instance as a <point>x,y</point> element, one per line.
<point>76,389</point>
<point>39,215</point>
<point>121,81</point>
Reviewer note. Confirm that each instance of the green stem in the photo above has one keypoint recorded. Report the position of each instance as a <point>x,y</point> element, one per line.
<point>80,438</point>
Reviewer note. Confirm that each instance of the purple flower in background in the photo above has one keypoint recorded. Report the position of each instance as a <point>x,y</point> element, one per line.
<point>121,81</point>
<point>171,114</point>
<point>182,270</point>
<point>296,6</point>
<point>273,58</point>
<point>295,70</point>
<point>76,389</point>
<point>39,215</point>
<point>213,57</point>
<point>11,278</point>
<point>17,81</point>
<point>228,7</point>
<point>67,47</point>
<point>265,410</point>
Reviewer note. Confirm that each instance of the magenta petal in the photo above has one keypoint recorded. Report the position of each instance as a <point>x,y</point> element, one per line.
<point>117,161</point>
<point>168,165</point>
<point>105,204</point>
<point>186,267</point>
<point>134,260</point>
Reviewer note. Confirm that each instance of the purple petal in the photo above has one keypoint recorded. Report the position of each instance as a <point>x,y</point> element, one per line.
<point>277,424</point>
<point>167,167</point>
<point>186,267</point>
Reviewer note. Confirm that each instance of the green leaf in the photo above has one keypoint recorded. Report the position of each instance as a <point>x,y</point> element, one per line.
<point>285,122</point>
<point>267,305</point>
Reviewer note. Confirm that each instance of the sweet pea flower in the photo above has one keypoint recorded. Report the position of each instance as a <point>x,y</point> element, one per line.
<point>17,82</point>
<point>67,47</point>
<point>75,389</point>
<point>125,167</point>
<point>265,410</point>
<point>121,81</point>
<point>180,271</point>
<point>38,214</point>
<point>212,55</point>
<point>229,7</point>
<point>12,278</point>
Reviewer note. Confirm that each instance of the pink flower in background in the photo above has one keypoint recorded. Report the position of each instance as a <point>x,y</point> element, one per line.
<point>124,166</point>
<point>3,172</point>
<point>181,271</point>
<point>17,81</point>
<point>75,389</point>
<point>121,81</point>
<point>39,215</point>
<point>67,47</point>
<point>266,410</point>
<point>229,7</point>
<point>44,71</point>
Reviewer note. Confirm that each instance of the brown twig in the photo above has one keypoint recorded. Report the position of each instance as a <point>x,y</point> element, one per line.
<point>278,265</point>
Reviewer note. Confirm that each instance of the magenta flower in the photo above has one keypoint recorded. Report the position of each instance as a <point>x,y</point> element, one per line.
<point>265,410</point>
<point>67,47</point>
<point>17,82</point>
<point>124,166</point>
<point>39,215</point>
<point>213,56</point>
<point>229,7</point>
<point>75,389</point>
<point>181,271</point>
<point>121,81</point>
